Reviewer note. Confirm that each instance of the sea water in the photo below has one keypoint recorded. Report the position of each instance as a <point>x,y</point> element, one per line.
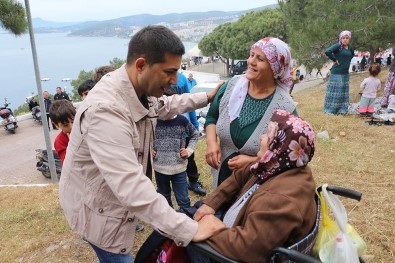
<point>59,57</point>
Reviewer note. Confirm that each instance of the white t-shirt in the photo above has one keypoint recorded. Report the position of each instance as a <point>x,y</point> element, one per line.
<point>369,87</point>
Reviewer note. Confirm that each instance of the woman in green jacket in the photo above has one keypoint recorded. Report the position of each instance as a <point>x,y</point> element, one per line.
<point>244,105</point>
<point>337,90</point>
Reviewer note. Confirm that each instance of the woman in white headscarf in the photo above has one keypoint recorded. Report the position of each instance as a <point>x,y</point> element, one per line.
<point>244,105</point>
<point>337,90</point>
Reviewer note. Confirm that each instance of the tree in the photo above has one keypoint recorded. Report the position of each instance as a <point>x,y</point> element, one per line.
<point>83,76</point>
<point>232,41</point>
<point>117,62</point>
<point>13,17</point>
<point>313,25</point>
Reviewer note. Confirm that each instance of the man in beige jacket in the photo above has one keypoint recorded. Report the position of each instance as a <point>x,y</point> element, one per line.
<point>103,187</point>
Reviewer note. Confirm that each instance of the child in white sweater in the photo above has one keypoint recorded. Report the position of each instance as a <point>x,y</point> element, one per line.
<point>369,87</point>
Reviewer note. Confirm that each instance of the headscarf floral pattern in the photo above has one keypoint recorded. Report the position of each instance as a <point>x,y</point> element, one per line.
<point>279,56</point>
<point>291,144</point>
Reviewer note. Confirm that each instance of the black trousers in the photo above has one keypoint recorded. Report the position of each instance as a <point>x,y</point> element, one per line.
<point>53,125</point>
<point>192,170</point>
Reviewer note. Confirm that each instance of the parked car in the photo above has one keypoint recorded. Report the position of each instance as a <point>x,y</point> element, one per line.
<point>239,68</point>
<point>202,112</point>
<point>203,87</point>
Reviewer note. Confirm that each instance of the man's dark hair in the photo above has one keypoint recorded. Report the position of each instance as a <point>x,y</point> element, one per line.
<point>152,43</point>
<point>61,111</point>
<point>86,85</point>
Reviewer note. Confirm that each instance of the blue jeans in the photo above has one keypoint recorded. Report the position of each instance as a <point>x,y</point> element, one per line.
<point>179,185</point>
<point>108,257</point>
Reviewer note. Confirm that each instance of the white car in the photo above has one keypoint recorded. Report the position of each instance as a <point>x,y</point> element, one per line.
<point>202,112</point>
<point>203,87</point>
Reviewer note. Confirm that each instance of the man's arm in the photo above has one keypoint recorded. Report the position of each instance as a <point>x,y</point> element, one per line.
<point>113,152</point>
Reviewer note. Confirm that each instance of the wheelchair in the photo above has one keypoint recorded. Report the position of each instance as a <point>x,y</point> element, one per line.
<point>299,252</point>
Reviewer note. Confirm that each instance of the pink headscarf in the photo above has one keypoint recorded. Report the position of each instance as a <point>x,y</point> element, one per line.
<point>343,33</point>
<point>291,144</point>
<point>279,56</point>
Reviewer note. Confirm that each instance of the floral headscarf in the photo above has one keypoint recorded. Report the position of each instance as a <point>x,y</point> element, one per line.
<point>291,143</point>
<point>279,56</point>
<point>343,33</point>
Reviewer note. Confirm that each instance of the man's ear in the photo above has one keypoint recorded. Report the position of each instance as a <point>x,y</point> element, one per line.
<point>140,64</point>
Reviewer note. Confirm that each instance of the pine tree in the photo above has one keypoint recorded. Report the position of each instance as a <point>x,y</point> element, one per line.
<point>313,25</point>
<point>13,17</point>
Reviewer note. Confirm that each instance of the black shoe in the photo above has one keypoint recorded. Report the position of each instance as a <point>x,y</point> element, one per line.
<point>197,187</point>
<point>139,227</point>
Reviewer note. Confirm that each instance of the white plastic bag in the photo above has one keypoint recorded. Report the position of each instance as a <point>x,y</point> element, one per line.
<point>339,250</point>
<point>342,248</point>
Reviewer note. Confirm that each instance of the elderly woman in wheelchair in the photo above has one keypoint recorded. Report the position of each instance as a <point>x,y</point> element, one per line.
<point>268,203</point>
<point>273,200</point>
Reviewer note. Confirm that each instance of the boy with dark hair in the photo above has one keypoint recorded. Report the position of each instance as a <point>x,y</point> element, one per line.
<point>62,114</point>
<point>85,87</point>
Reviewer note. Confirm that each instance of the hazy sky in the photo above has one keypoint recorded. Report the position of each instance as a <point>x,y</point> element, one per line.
<point>84,10</point>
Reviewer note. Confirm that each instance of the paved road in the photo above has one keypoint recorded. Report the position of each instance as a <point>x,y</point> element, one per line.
<point>18,156</point>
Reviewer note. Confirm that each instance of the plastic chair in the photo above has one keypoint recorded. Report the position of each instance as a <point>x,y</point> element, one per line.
<point>299,252</point>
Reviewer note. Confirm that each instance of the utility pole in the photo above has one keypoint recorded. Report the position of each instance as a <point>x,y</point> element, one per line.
<point>52,168</point>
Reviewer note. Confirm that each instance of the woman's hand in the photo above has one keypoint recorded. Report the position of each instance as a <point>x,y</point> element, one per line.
<point>208,226</point>
<point>336,62</point>
<point>240,160</point>
<point>203,211</point>
<point>213,154</point>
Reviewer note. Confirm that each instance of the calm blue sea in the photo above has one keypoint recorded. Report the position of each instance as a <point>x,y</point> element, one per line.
<point>59,56</point>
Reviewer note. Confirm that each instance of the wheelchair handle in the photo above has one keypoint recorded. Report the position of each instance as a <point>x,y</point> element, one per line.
<point>292,255</point>
<point>337,190</point>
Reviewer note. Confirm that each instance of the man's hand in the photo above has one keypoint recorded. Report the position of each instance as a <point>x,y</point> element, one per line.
<point>208,225</point>
<point>203,211</point>
<point>211,94</point>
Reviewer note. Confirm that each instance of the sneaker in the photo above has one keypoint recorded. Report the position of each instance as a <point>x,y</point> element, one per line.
<point>197,187</point>
<point>139,227</point>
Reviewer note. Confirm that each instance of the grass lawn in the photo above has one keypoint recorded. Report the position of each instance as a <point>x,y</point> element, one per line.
<point>357,156</point>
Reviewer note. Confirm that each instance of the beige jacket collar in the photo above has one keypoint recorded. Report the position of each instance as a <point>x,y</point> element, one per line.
<point>136,108</point>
